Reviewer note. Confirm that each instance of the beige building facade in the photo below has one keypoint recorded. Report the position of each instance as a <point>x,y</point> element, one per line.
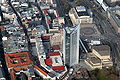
<point>80,15</point>
<point>56,39</point>
<point>100,57</point>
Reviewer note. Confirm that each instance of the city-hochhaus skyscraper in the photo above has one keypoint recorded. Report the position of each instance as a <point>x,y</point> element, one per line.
<point>71,45</point>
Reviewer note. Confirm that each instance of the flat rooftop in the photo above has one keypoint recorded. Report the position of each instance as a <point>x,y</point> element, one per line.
<point>15,44</point>
<point>95,60</point>
<point>16,72</point>
<point>81,11</point>
<point>103,50</point>
<point>90,32</point>
<point>14,40</point>
<point>80,8</point>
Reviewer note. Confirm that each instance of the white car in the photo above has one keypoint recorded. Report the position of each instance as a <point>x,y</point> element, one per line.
<point>71,71</point>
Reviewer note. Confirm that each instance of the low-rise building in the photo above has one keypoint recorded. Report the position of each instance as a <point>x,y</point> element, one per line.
<point>51,2</point>
<point>53,66</point>
<point>37,46</point>
<point>5,7</point>
<point>99,57</point>
<point>23,72</point>
<point>17,59</point>
<point>56,39</point>
<point>16,41</point>
<point>80,14</point>
<point>93,61</point>
<point>53,20</point>
<point>40,48</point>
<point>38,30</point>
<point>18,63</point>
<point>103,52</point>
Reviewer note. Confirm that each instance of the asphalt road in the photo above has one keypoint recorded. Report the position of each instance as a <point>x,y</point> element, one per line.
<point>110,35</point>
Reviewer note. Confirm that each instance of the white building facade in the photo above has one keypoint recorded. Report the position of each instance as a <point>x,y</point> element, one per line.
<point>71,45</point>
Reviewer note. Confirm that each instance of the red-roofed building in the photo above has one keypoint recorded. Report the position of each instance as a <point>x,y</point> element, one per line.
<point>17,62</point>
<point>48,21</point>
<point>40,70</point>
<point>18,69</point>
<point>29,20</point>
<point>17,59</point>
<point>32,37</point>
<point>56,47</point>
<point>57,13</point>
<point>48,61</point>
<point>45,37</point>
<point>2,28</point>
<point>54,54</point>
<point>58,68</point>
<point>45,11</point>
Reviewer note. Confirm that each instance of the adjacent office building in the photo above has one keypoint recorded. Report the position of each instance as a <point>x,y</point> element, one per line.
<point>71,45</point>
<point>81,15</point>
<point>99,57</point>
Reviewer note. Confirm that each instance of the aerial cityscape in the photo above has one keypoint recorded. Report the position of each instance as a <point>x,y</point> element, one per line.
<point>59,39</point>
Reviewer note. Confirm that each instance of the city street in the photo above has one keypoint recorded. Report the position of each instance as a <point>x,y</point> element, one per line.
<point>59,40</point>
<point>62,13</point>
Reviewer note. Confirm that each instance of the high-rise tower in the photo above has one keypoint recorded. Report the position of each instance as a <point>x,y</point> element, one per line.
<point>71,45</point>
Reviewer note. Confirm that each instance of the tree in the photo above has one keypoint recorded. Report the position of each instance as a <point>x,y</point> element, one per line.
<point>101,75</point>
